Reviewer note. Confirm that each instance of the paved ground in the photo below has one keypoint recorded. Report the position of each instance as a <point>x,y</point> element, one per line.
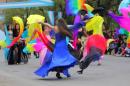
<point>115,71</point>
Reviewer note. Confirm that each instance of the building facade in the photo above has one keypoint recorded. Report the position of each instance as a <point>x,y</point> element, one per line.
<point>1,11</point>
<point>6,0</point>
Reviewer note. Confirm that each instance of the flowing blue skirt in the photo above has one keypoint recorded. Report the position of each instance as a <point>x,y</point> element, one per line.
<point>60,58</point>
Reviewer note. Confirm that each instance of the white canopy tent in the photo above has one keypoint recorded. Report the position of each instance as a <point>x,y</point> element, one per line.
<point>26,4</point>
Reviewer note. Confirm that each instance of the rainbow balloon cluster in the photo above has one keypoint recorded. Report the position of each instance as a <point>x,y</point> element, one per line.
<point>73,6</point>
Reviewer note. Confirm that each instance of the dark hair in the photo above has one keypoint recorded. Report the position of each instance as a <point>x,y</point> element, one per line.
<point>62,25</point>
<point>16,25</point>
<point>84,32</point>
<point>99,10</point>
<point>83,12</point>
<point>43,26</point>
<point>8,26</point>
<point>15,31</point>
<point>90,32</point>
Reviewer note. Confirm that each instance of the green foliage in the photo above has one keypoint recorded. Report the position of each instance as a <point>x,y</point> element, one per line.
<point>9,13</point>
<point>23,13</point>
<point>108,5</point>
<point>17,0</point>
<point>60,6</point>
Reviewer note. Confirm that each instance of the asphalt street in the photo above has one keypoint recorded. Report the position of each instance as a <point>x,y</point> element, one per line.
<point>114,71</point>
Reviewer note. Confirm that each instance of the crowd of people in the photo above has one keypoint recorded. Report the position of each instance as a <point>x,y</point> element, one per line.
<point>14,54</point>
<point>61,47</point>
<point>118,46</point>
<point>67,51</point>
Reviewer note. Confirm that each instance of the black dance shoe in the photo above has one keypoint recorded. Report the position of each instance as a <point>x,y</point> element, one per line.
<point>58,76</point>
<point>80,72</point>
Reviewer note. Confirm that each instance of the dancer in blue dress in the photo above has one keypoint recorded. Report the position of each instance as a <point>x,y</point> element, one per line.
<point>61,59</point>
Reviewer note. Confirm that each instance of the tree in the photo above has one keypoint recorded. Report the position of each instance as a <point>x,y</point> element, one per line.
<point>24,13</point>
<point>60,5</point>
<point>9,13</point>
<point>108,5</point>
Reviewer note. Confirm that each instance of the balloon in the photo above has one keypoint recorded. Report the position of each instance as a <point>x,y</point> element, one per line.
<point>95,24</point>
